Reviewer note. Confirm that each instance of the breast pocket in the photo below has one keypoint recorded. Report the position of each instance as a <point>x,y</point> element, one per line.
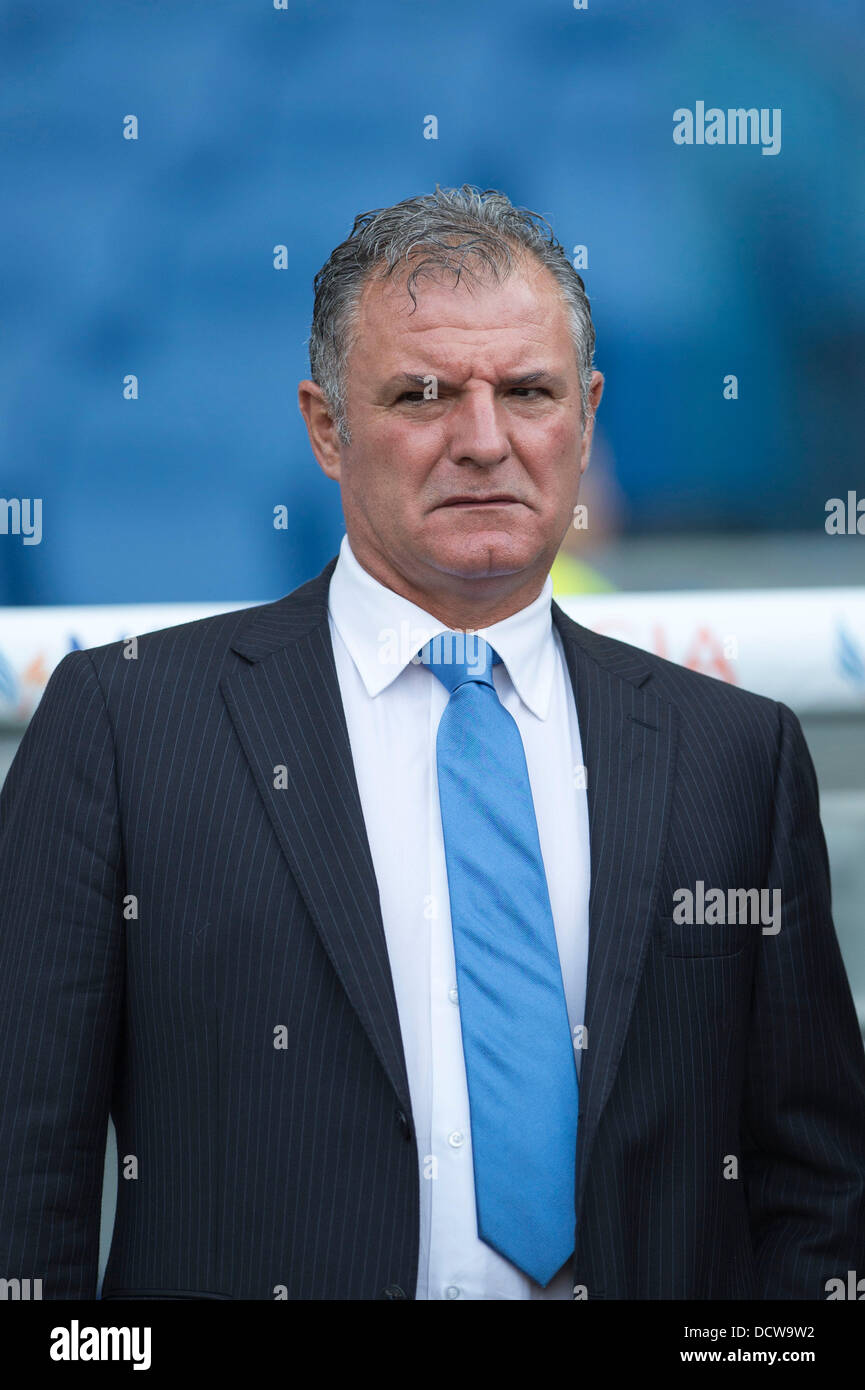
<point>700,940</point>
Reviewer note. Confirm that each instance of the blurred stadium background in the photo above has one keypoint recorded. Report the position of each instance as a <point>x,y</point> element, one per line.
<point>261,127</point>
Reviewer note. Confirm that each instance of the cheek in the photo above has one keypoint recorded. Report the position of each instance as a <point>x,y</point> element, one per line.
<point>551,454</point>
<point>401,457</point>
<point>392,468</point>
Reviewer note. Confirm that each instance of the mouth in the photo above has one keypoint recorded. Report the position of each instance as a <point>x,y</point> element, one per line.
<point>497,499</point>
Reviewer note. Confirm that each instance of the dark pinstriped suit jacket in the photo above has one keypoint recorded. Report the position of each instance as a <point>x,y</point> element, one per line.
<point>262,1168</point>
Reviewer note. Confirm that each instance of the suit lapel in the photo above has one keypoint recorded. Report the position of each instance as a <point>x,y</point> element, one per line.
<point>288,713</point>
<point>628,740</point>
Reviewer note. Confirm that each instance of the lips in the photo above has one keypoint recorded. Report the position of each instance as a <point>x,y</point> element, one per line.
<point>474,501</point>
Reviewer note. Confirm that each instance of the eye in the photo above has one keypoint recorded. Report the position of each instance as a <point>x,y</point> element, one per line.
<point>530,391</point>
<point>413,397</point>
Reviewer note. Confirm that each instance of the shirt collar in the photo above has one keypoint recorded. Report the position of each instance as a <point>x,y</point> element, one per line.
<point>383,631</point>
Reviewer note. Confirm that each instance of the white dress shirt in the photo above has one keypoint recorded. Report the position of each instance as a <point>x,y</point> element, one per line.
<point>392,708</point>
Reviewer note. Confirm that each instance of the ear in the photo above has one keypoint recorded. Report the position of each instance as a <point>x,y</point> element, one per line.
<point>320,427</point>
<point>596,390</point>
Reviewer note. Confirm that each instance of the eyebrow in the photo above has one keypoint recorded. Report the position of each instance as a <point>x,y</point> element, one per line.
<point>525,379</point>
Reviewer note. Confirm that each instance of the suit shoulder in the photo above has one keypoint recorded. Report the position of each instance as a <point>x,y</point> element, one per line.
<point>180,640</point>
<point>692,691</point>
<point>205,641</point>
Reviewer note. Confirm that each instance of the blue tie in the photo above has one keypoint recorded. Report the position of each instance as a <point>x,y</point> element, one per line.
<point>520,1065</point>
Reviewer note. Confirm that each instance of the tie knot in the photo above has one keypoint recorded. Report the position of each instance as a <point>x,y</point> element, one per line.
<point>458,657</point>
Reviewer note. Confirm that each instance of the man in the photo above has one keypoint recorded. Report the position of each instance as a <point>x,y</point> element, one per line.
<point>359,910</point>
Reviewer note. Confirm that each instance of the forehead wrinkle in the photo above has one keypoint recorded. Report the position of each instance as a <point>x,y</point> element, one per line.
<point>530,338</point>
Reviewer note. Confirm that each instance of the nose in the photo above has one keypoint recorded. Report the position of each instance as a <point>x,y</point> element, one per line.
<point>477,434</point>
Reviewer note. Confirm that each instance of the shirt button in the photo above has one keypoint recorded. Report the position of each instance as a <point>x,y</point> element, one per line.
<point>452,1291</point>
<point>456,1140</point>
<point>453,994</point>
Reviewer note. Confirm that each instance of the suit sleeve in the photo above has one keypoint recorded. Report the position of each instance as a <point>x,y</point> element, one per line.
<point>61,983</point>
<point>804,1154</point>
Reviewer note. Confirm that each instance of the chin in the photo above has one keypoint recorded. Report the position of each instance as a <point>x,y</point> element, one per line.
<point>477,559</point>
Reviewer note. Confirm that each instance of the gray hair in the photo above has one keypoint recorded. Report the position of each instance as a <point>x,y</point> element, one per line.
<point>449,229</point>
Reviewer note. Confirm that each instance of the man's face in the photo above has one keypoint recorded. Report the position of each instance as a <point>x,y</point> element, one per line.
<point>469,486</point>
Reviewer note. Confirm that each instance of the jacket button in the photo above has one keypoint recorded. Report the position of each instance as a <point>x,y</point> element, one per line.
<point>393,1291</point>
<point>402,1121</point>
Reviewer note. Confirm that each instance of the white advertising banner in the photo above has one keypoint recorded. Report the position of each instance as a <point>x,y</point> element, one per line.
<point>805,647</point>
<point>34,640</point>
